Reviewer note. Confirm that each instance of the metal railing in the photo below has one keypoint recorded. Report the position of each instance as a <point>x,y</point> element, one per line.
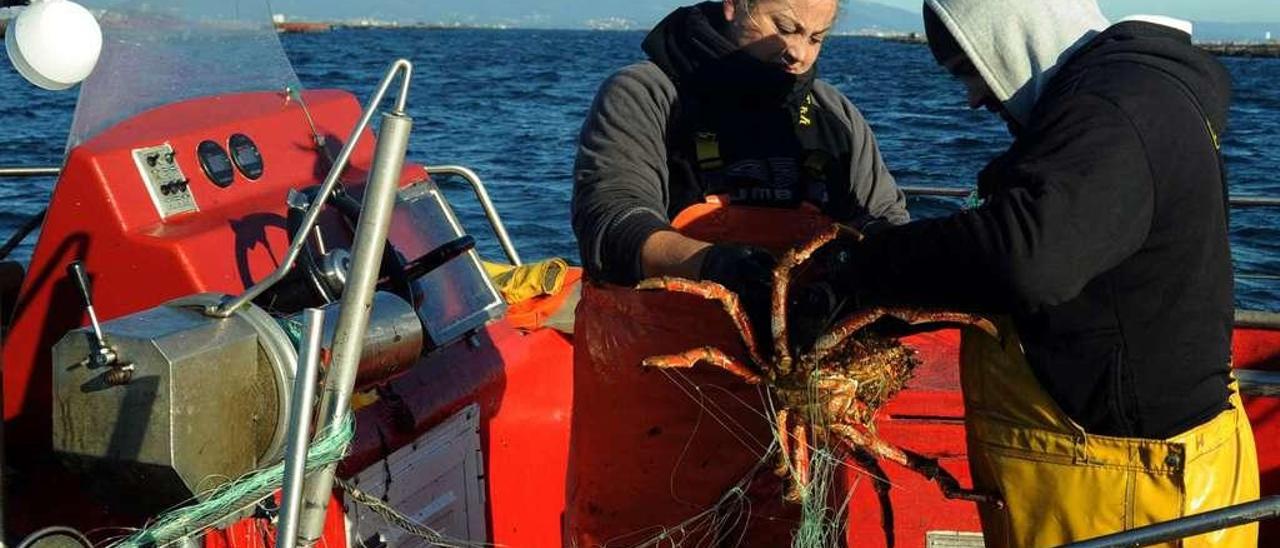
<point>467,175</point>
<point>490,212</point>
<point>944,192</point>
<point>1249,512</point>
<point>23,172</point>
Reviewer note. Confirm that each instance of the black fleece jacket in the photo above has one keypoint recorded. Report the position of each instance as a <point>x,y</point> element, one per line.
<point>1104,234</point>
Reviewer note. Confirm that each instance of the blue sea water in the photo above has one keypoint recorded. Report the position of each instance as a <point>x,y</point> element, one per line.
<point>508,103</point>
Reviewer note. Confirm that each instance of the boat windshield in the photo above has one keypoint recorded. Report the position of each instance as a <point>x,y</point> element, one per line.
<point>155,53</point>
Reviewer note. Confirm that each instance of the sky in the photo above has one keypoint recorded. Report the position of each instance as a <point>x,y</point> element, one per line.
<point>1200,10</point>
<point>1233,11</point>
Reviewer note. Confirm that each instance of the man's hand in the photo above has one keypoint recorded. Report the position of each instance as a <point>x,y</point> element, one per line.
<point>832,291</point>
<point>811,312</point>
<point>833,265</point>
<point>748,272</point>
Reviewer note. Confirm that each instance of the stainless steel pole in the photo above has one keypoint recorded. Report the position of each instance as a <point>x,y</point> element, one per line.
<point>295,454</point>
<point>6,172</point>
<point>357,301</point>
<point>1223,518</point>
<point>948,192</point>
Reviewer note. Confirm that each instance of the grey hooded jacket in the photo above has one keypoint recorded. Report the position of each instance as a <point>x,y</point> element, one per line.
<point>627,182</point>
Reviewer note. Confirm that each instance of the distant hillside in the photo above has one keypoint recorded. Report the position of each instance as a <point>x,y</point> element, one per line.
<point>574,14</point>
<point>861,17</point>
<point>858,14</point>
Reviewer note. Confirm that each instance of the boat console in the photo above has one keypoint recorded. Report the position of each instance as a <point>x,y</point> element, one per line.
<point>155,339</point>
<point>155,224</point>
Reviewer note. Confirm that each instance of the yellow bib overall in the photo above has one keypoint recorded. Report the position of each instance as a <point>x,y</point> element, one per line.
<point>1061,484</point>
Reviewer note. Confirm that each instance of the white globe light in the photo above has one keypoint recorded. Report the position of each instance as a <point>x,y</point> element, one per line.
<point>54,44</point>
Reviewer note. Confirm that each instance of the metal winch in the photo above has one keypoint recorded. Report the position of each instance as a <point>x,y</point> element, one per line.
<point>178,402</point>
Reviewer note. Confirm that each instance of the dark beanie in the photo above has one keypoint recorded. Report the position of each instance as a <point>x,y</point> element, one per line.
<point>941,42</point>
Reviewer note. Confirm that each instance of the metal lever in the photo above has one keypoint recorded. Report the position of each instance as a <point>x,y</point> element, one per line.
<point>101,354</point>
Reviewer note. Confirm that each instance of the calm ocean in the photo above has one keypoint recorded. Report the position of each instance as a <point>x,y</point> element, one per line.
<point>508,103</point>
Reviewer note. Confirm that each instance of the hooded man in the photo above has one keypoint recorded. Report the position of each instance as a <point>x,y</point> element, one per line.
<point>1102,240</point>
<point>727,104</point>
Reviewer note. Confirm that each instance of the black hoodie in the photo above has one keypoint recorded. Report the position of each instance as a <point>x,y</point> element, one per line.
<point>1104,233</point>
<point>778,140</point>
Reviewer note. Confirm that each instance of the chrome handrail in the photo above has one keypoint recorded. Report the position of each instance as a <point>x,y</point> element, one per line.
<point>1257,319</point>
<point>490,212</point>
<point>508,247</point>
<point>23,172</point>
<point>1258,383</point>
<point>1184,527</point>
<point>945,192</point>
<point>477,186</point>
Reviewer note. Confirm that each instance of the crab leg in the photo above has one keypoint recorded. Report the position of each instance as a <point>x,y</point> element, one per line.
<point>801,484</point>
<point>924,466</point>
<point>855,322</point>
<point>708,354</point>
<point>782,284</point>
<point>880,482</point>
<point>870,443</point>
<point>784,442</point>
<point>715,292</point>
<point>829,341</point>
<point>916,317</point>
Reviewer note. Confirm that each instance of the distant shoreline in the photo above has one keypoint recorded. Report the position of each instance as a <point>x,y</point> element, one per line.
<point>325,26</point>
<point>1232,49</point>
<point>1260,50</point>
<point>1220,48</point>
<point>1264,50</point>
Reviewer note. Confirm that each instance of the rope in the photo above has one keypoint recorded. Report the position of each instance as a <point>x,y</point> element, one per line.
<point>405,523</point>
<point>229,499</point>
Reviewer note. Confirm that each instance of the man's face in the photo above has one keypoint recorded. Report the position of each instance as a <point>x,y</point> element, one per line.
<point>786,33</point>
<point>978,93</point>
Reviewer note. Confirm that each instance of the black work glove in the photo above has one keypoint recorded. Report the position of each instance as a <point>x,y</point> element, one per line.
<point>835,263</point>
<point>832,291</point>
<point>812,311</point>
<point>748,272</point>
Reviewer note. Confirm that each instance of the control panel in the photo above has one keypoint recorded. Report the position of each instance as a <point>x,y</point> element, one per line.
<point>170,190</point>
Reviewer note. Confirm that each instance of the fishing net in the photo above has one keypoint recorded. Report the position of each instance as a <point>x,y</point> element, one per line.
<point>685,457</point>
<point>235,497</point>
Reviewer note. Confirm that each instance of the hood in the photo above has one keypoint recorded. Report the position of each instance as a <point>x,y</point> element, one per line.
<point>1017,45</point>
<point>692,47</point>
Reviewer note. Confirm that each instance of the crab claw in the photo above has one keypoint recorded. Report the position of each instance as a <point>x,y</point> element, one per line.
<point>707,354</point>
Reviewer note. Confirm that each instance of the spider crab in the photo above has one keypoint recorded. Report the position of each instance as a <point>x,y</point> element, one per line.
<point>832,391</point>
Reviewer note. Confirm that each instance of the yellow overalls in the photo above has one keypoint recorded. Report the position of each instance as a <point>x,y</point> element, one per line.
<point>1061,484</point>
